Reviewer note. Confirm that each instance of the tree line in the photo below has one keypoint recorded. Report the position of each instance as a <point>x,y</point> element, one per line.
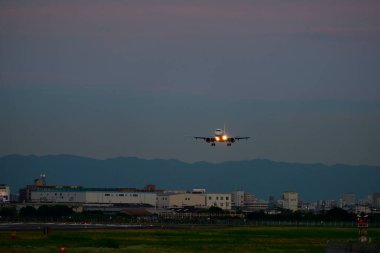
<point>65,213</point>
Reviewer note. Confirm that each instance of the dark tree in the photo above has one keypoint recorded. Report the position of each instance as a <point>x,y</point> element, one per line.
<point>54,211</point>
<point>215,209</point>
<point>28,211</point>
<point>8,212</point>
<point>339,214</point>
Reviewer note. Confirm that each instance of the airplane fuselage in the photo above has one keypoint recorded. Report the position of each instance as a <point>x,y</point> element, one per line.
<point>220,136</point>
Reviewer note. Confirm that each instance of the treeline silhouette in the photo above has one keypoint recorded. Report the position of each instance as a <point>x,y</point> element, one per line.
<point>66,214</point>
<point>57,213</point>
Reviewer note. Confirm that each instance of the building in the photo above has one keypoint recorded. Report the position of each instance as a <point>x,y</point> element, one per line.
<point>25,193</point>
<point>376,200</point>
<point>358,209</point>
<point>41,181</point>
<point>246,201</point>
<point>307,207</point>
<point>39,192</point>
<point>81,195</point>
<point>325,205</point>
<point>179,200</point>
<point>197,198</point>
<point>243,200</point>
<point>198,191</point>
<point>347,200</point>
<point>5,193</point>
<point>249,200</point>
<point>221,200</point>
<point>257,205</point>
<point>290,200</point>
<point>237,199</point>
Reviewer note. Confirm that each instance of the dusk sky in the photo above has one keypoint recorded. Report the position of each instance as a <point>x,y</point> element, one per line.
<point>138,78</point>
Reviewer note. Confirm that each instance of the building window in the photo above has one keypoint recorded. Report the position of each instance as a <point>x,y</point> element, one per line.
<point>107,194</point>
<point>227,198</point>
<point>209,198</point>
<point>217,198</point>
<point>221,198</point>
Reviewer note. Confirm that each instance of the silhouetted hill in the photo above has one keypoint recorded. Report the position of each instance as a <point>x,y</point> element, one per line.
<point>261,177</point>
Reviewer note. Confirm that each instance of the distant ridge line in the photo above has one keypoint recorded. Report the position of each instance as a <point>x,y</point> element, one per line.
<point>176,160</point>
<point>261,177</point>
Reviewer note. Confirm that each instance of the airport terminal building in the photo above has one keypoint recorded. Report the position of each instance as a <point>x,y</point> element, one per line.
<point>92,196</point>
<point>150,197</point>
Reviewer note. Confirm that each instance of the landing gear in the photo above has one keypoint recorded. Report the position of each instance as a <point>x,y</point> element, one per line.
<point>228,144</point>
<point>212,144</point>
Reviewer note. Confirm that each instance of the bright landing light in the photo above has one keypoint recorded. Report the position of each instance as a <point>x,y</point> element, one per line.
<point>224,137</point>
<point>217,138</point>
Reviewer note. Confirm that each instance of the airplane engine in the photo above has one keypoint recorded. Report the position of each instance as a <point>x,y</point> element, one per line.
<point>208,140</point>
<point>232,140</point>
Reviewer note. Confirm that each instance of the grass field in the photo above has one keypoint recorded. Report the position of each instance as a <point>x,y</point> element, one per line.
<point>242,239</point>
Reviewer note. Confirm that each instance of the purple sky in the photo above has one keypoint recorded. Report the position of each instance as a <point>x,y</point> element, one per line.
<point>134,78</point>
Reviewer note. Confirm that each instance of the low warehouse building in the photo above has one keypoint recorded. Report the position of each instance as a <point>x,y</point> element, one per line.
<point>92,196</point>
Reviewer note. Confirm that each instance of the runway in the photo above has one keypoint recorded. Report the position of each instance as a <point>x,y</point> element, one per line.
<point>68,226</point>
<point>30,226</point>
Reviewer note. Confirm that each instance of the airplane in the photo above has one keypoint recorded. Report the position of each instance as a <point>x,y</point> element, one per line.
<point>221,136</point>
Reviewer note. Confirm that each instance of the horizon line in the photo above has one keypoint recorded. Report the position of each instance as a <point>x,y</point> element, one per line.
<point>177,160</point>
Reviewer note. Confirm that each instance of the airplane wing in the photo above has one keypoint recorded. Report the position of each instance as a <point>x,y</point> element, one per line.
<point>242,138</point>
<point>199,137</point>
<point>206,139</point>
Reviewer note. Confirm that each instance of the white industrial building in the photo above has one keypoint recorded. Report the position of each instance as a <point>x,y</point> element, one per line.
<point>290,200</point>
<point>257,205</point>
<point>5,193</point>
<point>222,200</point>
<point>198,198</point>
<point>180,200</point>
<point>237,199</point>
<point>194,199</point>
<point>91,196</point>
<point>247,201</point>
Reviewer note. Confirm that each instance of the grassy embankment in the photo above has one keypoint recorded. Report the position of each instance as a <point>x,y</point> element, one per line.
<point>244,239</point>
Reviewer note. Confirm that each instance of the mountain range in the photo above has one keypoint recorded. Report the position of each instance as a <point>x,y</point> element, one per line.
<point>261,177</point>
